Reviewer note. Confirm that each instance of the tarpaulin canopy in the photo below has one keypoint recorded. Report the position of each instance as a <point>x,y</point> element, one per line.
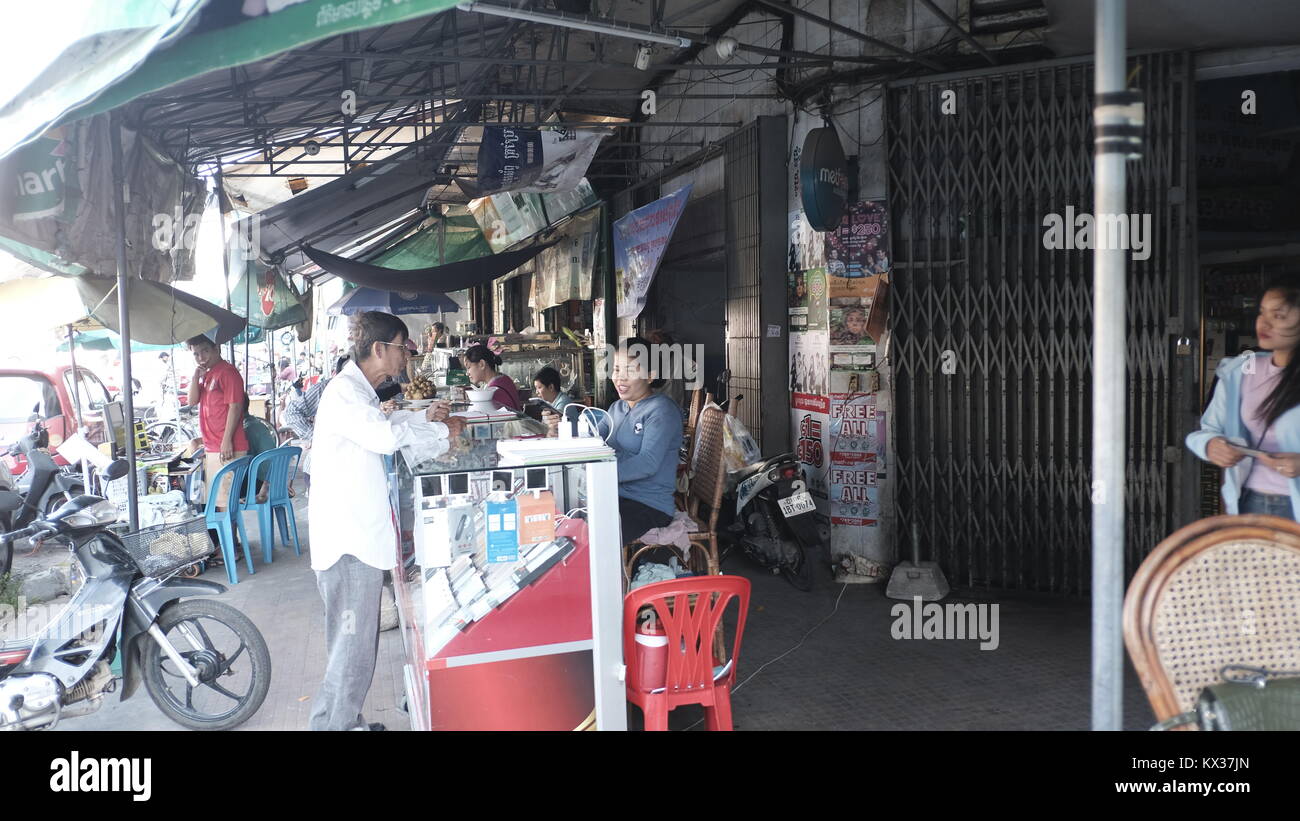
<point>453,238</point>
<point>106,340</point>
<point>263,296</point>
<point>86,47</point>
<point>439,279</point>
<point>159,314</point>
<point>58,211</point>
<point>234,32</point>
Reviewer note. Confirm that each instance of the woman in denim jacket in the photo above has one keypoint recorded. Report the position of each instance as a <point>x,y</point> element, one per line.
<point>1256,405</point>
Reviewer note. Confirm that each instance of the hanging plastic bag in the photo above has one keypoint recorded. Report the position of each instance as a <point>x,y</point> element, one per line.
<point>739,448</point>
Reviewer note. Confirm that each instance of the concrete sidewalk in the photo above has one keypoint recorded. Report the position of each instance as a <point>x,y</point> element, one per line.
<point>282,600</point>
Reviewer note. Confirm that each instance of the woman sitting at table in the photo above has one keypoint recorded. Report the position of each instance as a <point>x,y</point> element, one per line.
<point>546,383</point>
<point>645,430</point>
<point>481,367</point>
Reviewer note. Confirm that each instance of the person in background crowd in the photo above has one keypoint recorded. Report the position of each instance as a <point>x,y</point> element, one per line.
<point>260,439</point>
<point>1256,405</point>
<point>481,366</point>
<point>218,392</point>
<point>301,413</point>
<point>353,539</point>
<point>287,371</point>
<point>300,416</point>
<point>435,337</point>
<point>546,383</point>
<point>672,385</point>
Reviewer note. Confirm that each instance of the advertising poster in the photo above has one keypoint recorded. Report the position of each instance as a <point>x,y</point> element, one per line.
<point>640,239</point>
<point>807,247</point>
<point>506,219</point>
<point>860,246</point>
<point>809,366</point>
<point>857,268</point>
<point>806,295</point>
<point>809,437</point>
<point>532,161</point>
<point>857,442</point>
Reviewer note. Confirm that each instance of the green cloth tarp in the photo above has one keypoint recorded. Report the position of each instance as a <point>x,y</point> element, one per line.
<point>459,231</point>
<point>85,47</point>
<point>263,297</point>
<point>225,45</point>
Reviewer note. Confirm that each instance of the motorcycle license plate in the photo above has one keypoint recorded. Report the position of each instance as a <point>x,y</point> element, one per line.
<point>801,502</point>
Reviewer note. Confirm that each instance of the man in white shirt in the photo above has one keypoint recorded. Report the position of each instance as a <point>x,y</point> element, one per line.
<point>353,535</point>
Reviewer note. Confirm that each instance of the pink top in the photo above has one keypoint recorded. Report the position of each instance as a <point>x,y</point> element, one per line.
<point>507,394</point>
<point>1255,388</point>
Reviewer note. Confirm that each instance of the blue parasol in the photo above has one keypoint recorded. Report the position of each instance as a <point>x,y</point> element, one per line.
<point>393,302</point>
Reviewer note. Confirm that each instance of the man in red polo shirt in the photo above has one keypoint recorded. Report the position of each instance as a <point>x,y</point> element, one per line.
<point>218,391</point>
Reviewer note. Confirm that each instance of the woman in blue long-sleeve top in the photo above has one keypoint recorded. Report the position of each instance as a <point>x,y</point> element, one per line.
<point>645,430</point>
<point>1256,405</point>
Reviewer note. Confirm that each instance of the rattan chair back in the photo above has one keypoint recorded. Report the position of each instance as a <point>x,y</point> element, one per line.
<point>1224,590</point>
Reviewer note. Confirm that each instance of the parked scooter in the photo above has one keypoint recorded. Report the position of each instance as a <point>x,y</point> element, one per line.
<point>776,520</point>
<point>42,488</point>
<point>203,662</point>
<point>775,516</point>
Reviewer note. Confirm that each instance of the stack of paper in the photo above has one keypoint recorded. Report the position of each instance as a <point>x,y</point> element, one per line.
<point>532,451</point>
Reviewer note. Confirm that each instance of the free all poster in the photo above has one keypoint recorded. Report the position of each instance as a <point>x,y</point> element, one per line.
<point>857,266</point>
<point>857,440</point>
<point>806,293</point>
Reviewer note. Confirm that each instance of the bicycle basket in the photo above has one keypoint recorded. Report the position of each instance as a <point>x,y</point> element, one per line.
<point>164,549</point>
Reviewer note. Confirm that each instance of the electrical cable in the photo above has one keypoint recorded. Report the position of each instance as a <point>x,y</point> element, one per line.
<point>799,644</point>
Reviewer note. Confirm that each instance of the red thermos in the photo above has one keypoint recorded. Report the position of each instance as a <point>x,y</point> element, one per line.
<point>651,655</point>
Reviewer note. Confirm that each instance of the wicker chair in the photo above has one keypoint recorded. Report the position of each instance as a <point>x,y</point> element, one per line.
<point>1219,591</point>
<point>703,500</point>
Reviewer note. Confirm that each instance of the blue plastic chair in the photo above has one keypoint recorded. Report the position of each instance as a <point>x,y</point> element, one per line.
<point>222,520</point>
<point>282,463</point>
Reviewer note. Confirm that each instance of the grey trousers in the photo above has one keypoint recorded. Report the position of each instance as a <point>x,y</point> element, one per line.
<point>351,590</point>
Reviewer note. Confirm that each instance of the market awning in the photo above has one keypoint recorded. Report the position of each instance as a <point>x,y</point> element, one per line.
<point>227,36</point>
<point>453,276</point>
<point>84,49</point>
<point>160,314</point>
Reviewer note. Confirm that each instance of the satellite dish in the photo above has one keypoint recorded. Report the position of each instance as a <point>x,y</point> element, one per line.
<point>823,179</point>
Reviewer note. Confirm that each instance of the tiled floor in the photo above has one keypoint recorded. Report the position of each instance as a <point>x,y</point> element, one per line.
<point>849,674</point>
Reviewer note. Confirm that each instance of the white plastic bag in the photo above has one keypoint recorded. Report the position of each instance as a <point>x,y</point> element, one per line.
<point>739,448</point>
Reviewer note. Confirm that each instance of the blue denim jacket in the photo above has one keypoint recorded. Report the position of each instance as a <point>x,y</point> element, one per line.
<point>1223,418</point>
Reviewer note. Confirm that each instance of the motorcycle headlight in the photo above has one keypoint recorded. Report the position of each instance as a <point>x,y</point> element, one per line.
<point>100,513</point>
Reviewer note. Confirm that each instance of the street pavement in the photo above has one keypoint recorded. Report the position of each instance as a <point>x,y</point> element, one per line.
<point>821,660</point>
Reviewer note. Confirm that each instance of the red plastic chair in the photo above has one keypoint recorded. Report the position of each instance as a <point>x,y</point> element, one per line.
<point>693,675</point>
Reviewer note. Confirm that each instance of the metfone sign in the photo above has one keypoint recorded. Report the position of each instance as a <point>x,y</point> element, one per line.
<point>823,179</point>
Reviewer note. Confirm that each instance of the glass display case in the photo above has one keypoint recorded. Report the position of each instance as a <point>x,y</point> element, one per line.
<point>510,611</point>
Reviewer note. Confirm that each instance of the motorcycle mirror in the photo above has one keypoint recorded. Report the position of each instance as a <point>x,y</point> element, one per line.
<point>117,469</point>
<point>9,501</point>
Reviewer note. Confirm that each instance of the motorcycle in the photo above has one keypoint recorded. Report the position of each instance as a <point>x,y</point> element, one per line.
<point>776,520</point>
<point>41,490</point>
<point>191,654</point>
<point>129,585</point>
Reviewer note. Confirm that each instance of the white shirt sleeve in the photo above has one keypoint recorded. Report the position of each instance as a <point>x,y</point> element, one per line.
<point>370,429</point>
